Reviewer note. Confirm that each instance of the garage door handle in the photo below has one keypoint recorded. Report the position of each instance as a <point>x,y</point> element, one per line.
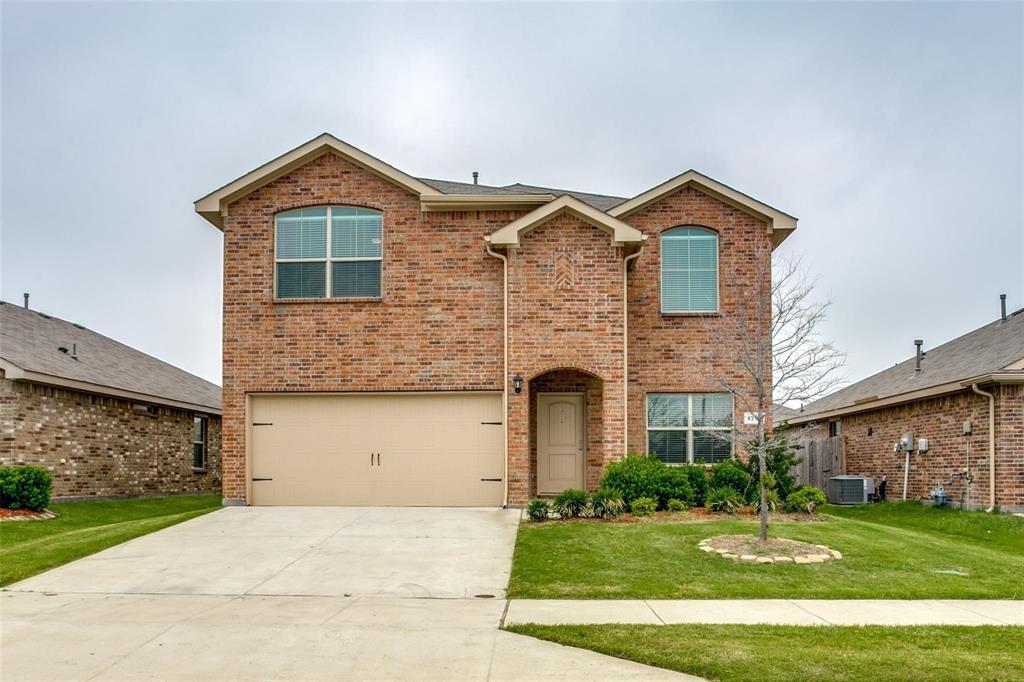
<point>498,480</point>
<point>378,459</point>
<point>262,479</point>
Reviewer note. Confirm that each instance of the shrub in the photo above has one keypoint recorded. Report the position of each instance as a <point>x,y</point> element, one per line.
<point>771,498</point>
<point>647,476</point>
<point>674,485</point>
<point>570,502</point>
<point>675,505</point>
<point>804,499</point>
<point>537,510</point>
<point>724,499</point>
<point>697,475</point>
<point>780,459</point>
<point>24,487</point>
<point>635,476</point>
<point>728,474</point>
<point>607,503</point>
<point>644,506</point>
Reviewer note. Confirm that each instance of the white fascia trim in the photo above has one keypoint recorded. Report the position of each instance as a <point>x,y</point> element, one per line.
<point>15,373</point>
<point>476,202</point>
<point>621,233</point>
<point>213,205</point>
<point>780,224</point>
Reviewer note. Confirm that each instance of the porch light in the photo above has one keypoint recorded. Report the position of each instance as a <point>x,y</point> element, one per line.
<point>517,384</point>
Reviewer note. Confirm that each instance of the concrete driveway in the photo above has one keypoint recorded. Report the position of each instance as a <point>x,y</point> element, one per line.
<point>291,593</point>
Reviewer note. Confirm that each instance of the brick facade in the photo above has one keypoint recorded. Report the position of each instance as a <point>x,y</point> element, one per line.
<point>868,438</point>
<point>97,446</point>
<point>438,325</point>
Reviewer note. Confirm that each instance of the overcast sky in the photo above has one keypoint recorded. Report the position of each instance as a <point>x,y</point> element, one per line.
<point>893,131</point>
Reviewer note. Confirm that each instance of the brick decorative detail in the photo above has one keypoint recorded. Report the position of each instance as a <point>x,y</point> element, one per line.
<point>99,446</point>
<point>564,274</point>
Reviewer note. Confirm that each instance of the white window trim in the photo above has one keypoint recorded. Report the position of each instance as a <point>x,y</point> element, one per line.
<point>661,270</point>
<point>689,420</point>
<point>328,260</point>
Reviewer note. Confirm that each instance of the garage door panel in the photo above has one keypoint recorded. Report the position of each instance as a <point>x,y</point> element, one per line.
<point>434,449</point>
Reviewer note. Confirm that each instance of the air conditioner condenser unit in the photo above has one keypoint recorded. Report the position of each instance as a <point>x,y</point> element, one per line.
<point>850,489</point>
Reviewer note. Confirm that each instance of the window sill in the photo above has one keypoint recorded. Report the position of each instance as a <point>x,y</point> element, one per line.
<point>198,470</point>
<point>713,313</point>
<point>353,299</point>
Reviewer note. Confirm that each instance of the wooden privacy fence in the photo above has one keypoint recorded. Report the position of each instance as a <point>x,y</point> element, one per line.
<point>822,458</point>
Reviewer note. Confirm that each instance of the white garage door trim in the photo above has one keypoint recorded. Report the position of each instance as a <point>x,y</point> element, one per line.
<point>440,448</point>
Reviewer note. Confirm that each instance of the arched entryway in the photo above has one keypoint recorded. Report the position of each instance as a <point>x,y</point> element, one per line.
<point>566,430</point>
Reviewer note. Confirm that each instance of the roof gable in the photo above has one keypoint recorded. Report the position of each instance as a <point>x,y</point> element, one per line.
<point>621,233</point>
<point>780,224</point>
<point>213,205</point>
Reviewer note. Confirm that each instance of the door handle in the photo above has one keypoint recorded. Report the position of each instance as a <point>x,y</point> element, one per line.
<point>371,459</point>
<point>378,459</point>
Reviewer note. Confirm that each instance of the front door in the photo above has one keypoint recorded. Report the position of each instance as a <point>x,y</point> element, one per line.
<point>560,438</point>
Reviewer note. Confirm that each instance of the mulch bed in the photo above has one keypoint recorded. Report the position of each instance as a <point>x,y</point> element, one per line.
<point>749,549</point>
<point>697,514</point>
<point>25,515</point>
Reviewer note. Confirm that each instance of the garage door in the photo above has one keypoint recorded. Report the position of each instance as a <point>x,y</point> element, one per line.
<point>437,449</point>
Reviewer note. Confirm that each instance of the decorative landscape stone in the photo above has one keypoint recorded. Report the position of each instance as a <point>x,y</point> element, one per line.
<point>748,549</point>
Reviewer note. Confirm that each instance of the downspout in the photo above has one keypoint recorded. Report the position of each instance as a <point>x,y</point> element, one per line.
<point>504,344</point>
<point>991,446</point>
<point>625,347</point>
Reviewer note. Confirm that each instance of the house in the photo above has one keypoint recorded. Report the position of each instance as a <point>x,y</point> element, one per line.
<point>397,340</point>
<point>104,419</point>
<point>959,409</point>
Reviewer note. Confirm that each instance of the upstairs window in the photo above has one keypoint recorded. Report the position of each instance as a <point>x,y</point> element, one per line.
<point>684,428</point>
<point>328,252</point>
<point>689,270</point>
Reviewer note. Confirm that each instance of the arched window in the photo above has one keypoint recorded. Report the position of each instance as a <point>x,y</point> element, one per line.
<point>689,270</point>
<point>328,252</point>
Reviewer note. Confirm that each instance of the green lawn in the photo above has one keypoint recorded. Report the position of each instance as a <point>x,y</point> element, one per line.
<point>889,552</point>
<point>30,547</point>
<point>787,652</point>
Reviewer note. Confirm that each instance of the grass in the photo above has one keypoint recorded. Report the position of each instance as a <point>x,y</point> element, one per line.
<point>788,652</point>
<point>889,552</point>
<point>31,547</point>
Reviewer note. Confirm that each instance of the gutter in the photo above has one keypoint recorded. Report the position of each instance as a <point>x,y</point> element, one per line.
<point>991,445</point>
<point>625,347</point>
<point>504,344</point>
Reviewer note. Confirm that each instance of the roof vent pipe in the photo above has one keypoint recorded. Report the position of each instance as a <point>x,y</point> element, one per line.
<point>1002,307</point>
<point>476,179</point>
<point>74,351</point>
<point>919,355</point>
<point>26,301</point>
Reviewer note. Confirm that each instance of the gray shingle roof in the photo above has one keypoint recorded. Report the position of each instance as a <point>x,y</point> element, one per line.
<point>985,350</point>
<point>31,341</point>
<point>599,201</point>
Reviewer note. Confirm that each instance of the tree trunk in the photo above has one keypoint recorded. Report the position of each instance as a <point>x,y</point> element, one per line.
<point>762,468</point>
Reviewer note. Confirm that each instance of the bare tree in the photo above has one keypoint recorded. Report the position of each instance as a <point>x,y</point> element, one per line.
<point>772,329</point>
<point>804,366</point>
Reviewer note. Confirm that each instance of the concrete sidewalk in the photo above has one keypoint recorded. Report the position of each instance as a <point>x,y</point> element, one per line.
<point>767,611</point>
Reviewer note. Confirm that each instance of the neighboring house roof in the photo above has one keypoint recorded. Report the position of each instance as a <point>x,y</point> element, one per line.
<point>447,195</point>
<point>30,350</point>
<point>620,232</point>
<point>991,354</point>
<point>781,413</point>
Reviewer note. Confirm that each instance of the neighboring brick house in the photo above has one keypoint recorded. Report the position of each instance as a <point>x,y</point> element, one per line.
<point>399,340</point>
<point>105,419</point>
<point>965,397</point>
